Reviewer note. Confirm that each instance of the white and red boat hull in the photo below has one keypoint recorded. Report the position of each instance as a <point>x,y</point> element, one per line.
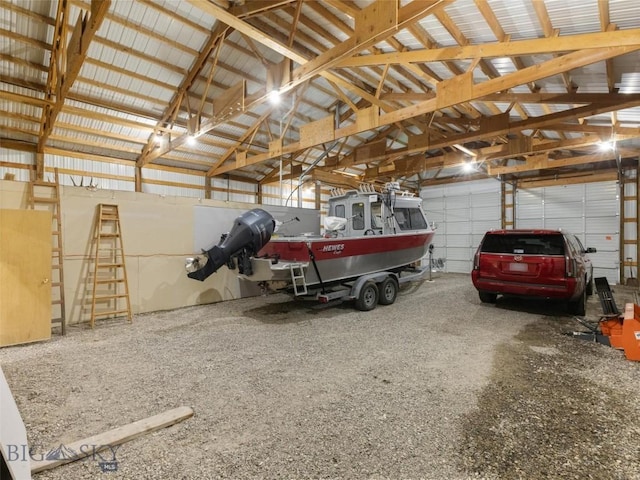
<point>340,259</point>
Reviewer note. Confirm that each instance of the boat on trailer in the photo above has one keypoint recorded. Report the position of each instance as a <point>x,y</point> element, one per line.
<point>372,242</point>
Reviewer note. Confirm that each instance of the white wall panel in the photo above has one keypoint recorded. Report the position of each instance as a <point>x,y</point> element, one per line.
<point>590,211</point>
<point>463,212</point>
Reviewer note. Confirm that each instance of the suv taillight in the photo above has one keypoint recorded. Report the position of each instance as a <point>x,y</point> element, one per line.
<point>476,260</point>
<point>571,266</point>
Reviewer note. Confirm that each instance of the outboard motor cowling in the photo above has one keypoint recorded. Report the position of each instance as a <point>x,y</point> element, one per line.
<point>250,232</point>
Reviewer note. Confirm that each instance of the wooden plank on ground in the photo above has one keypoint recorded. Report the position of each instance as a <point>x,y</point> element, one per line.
<point>114,437</point>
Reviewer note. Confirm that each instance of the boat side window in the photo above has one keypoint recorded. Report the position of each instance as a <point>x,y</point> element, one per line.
<point>357,212</point>
<point>401,219</point>
<point>340,211</point>
<point>376,215</point>
<point>410,218</point>
<point>418,221</point>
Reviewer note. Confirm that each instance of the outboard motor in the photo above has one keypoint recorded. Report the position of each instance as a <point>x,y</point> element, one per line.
<point>250,232</point>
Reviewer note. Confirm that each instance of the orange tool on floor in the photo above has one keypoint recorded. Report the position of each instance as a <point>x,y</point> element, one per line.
<point>623,332</point>
<point>612,329</point>
<point>631,332</point>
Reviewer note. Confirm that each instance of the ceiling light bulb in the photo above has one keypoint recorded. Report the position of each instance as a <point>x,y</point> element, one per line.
<point>274,97</point>
<point>605,146</point>
<point>191,140</point>
<point>467,167</point>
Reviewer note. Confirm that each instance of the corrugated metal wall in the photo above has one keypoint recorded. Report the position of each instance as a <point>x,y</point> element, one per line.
<point>462,212</point>
<point>107,176</point>
<point>590,211</point>
<point>16,156</point>
<point>272,195</point>
<point>150,175</point>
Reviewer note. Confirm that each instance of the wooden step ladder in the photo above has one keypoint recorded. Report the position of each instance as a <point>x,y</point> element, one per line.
<point>110,286</point>
<point>44,195</point>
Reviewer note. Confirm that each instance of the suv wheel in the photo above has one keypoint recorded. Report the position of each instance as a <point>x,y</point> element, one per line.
<point>486,297</point>
<point>590,286</point>
<point>579,306</point>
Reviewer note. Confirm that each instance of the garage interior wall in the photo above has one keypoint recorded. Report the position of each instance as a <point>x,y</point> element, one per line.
<point>117,176</point>
<point>158,234</point>
<point>591,211</point>
<point>462,213</point>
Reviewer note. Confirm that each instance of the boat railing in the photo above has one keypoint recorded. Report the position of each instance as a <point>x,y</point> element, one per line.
<point>367,188</point>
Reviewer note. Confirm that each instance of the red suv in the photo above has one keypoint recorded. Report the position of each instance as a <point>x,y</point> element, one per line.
<point>535,263</point>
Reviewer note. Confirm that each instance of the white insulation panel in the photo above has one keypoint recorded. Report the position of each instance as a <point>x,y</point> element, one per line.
<point>462,213</point>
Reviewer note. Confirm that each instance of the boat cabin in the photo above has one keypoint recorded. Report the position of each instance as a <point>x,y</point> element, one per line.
<point>368,212</point>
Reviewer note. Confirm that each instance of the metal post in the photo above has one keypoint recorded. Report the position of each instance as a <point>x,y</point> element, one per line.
<point>430,261</point>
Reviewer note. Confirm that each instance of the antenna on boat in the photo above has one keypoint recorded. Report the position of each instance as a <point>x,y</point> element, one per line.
<point>392,186</point>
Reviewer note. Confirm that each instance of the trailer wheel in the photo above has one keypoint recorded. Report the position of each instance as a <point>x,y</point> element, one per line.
<point>368,298</point>
<point>388,291</point>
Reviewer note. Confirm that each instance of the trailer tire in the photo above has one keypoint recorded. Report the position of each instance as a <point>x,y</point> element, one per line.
<point>368,297</point>
<point>388,291</point>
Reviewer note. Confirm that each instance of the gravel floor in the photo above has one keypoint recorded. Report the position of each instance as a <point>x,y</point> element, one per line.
<point>436,386</point>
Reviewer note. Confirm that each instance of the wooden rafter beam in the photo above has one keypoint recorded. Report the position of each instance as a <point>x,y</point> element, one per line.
<point>567,43</point>
<point>406,15</point>
<point>460,90</point>
<point>76,52</point>
<point>542,122</point>
<point>547,27</point>
<point>567,179</point>
<point>249,8</point>
<point>148,153</point>
<point>408,163</point>
<point>505,97</point>
<point>604,131</point>
<point>334,179</point>
<point>607,26</point>
<point>543,162</point>
<point>231,150</point>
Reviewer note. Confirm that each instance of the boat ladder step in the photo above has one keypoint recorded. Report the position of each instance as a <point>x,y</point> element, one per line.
<point>298,280</point>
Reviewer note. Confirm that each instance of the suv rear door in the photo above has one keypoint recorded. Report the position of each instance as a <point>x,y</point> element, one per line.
<point>529,257</point>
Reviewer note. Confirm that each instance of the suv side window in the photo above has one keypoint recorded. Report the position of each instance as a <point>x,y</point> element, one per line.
<point>575,246</point>
<point>581,248</point>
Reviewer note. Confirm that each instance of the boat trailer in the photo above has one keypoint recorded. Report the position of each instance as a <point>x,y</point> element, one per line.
<point>372,289</point>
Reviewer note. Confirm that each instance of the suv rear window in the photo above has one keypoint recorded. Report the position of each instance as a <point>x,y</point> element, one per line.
<point>524,244</point>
